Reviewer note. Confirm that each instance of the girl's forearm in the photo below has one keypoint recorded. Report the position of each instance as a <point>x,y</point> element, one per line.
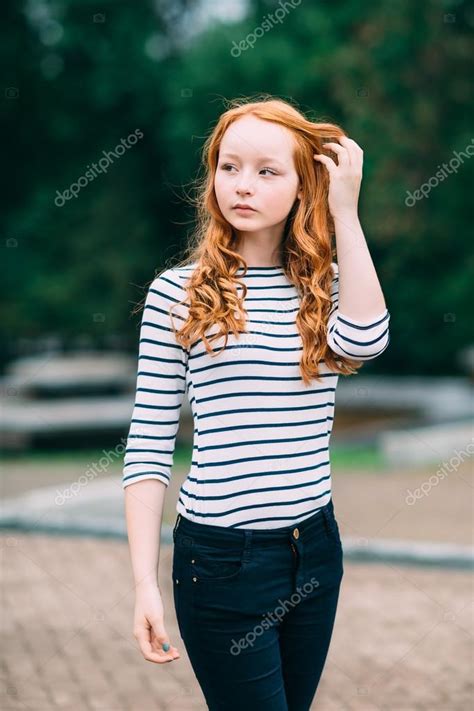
<point>360,293</point>
<point>144,503</point>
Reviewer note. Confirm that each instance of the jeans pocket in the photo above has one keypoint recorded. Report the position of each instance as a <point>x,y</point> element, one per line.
<point>215,564</point>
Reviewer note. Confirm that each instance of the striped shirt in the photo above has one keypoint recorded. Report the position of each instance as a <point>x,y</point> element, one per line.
<point>260,454</point>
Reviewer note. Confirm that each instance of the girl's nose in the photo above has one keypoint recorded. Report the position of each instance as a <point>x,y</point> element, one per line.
<point>245,187</point>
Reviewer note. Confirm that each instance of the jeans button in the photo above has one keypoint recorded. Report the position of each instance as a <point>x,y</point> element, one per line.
<point>296,533</point>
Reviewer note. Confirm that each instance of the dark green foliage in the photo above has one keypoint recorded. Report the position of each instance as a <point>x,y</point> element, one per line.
<point>394,74</point>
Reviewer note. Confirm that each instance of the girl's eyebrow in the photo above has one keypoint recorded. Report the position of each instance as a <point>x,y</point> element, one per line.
<point>264,158</point>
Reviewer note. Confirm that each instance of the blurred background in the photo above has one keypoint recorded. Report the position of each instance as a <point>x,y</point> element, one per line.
<point>105,108</point>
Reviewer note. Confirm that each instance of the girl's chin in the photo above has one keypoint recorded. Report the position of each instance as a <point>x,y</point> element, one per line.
<point>240,219</point>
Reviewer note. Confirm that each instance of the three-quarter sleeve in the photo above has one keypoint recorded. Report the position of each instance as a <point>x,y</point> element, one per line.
<point>353,338</point>
<point>160,386</point>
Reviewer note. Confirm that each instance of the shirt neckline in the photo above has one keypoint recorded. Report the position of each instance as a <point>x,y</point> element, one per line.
<point>252,266</point>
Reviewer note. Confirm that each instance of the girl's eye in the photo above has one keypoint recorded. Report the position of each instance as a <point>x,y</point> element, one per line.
<point>225,166</point>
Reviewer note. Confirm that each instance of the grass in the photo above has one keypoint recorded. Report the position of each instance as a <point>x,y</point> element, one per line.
<point>353,458</point>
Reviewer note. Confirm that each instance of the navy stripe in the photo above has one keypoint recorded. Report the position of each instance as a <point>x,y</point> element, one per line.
<point>361,343</point>
<point>372,325</point>
<point>202,416</point>
<point>130,477</point>
<point>252,443</point>
<point>241,378</point>
<point>253,474</point>
<point>159,464</point>
<point>261,393</point>
<point>266,457</point>
<point>258,506</point>
<point>250,362</point>
<point>247,492</point>
<point>253,425</point>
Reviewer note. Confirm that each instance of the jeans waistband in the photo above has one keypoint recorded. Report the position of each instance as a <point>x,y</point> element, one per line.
<point>228,537</point>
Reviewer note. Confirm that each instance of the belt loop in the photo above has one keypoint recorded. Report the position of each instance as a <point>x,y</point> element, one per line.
<point>247,545</point>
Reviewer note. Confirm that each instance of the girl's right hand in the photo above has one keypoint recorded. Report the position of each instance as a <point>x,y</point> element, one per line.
<point>148,627</point>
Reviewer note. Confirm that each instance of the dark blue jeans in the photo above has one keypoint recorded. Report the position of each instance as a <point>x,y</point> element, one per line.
<point>256,609</point>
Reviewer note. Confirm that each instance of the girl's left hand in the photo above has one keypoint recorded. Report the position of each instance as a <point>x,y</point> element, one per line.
<point>344,178</point>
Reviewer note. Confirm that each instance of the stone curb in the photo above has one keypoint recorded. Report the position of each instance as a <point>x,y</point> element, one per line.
<point>98,511</point>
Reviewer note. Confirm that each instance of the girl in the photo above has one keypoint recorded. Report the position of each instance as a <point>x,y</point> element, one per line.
<point>266,322</point>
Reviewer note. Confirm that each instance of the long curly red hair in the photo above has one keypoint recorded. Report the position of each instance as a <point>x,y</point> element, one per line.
<point>306,249</point>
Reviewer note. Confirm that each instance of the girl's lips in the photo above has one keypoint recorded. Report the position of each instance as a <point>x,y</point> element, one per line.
<point>244,209</point>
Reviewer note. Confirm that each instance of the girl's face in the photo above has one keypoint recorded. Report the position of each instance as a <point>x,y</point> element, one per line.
<point>256,168</point>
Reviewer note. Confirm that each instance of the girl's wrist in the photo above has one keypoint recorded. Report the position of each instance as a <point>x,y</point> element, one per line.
<point>346,216</point>
<point>150,581</point>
